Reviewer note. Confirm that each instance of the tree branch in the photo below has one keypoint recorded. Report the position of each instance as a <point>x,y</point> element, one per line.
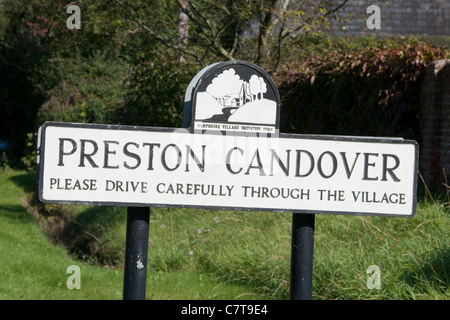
<point>263,30</point>
<point>335,9</point>
<point>206,28</point>
<point>141,25</point>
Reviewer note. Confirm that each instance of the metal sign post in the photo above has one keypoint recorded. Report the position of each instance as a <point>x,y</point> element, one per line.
<point>136,251</point>
<point>302,249</point>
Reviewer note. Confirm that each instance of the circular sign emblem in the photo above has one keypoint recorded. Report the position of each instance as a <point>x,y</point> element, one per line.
<point>233,96</point>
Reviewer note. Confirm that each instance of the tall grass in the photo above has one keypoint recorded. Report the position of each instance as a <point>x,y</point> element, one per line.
<point>254,248</point>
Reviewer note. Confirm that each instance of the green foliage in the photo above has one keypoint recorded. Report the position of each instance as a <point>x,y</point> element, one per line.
<point>30,152</point>
<point>123,67</point>
<point>48,68</point>
<point>90,90</point>
<point>22,83</point>
<point>155,93</point>
<point>355,90</point>
<point>4,166</point>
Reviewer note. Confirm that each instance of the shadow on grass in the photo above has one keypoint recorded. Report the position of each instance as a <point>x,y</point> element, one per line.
<point>26,181</point>
<point>83,235</point>
<point>78,228</point>
<point>16,214</point>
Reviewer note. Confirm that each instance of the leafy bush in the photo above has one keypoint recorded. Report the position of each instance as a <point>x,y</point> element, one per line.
<point>47,68</point>
<point>22,84</point>
<point>155,92</point>
<point>348,90</point>
<point>89,91</point>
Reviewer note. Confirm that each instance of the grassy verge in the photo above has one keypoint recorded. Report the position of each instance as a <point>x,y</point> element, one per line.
<point>413,255</point>
<point>33,268</point>
<point>208,254</point>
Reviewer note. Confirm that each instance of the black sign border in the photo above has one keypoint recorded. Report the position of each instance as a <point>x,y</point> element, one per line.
<point>41,162</point>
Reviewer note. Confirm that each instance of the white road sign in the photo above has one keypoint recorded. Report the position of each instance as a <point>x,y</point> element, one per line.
<point>147,166</point>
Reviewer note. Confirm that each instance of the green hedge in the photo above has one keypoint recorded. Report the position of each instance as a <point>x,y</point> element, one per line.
<point>89,90</point>
<point>355,90</point>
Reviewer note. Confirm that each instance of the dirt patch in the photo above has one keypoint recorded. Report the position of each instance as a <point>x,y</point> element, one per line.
<point>65,229</point>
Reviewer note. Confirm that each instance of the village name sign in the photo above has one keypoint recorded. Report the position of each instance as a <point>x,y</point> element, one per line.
<point>230,155</point>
